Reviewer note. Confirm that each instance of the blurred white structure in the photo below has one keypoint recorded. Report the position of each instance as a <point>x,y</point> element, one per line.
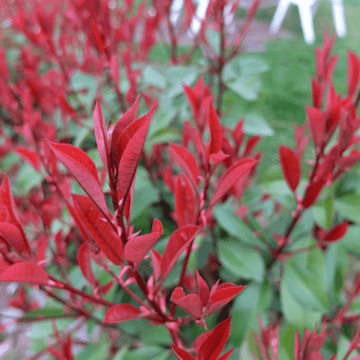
<point>200,13</point>
<point>306,9</point>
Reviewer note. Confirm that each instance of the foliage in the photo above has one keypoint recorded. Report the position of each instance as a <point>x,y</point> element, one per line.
<point>145,231</point>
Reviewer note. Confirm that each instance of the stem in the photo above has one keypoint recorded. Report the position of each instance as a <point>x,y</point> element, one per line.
<point>96,300</point>
<point>221,61</point>
<point>173,40</point>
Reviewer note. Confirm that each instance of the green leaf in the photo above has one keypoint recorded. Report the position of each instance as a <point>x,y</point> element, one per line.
<point>255,124</point>
<point>230,222</point>
<point>343,347</point>
<point>176,75</point>
<point>27,178</point>
<point>251,302</point>
<point>120,355</point>
<point>146,353</point>
<point>349,207</point>
<point>156,335</point>
<point>247,87</point>
<point>93,352</point>
<point>243,261</point>
<point>306,281</point>
<point>154,77</point>
<point>80,81</point>
<point>144,194</point>
<point>44,312</point>
<point>252,65</point>
<point>295,313</point>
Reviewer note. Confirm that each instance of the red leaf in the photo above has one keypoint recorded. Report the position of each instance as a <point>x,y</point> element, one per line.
<point>192,99</point>
<point>98,38</point>
<point>232,175</point>
<point>182,354</point>
<point>114,69</point>
<point>185,206</point>
<point>212,347</point>
<point>215,131</point>
<point>83,169</point>
<point>250,145</point>
<point>316,121</point>
<point>175,246</point>
<point>7,201</point>
<point>337,232</point>
<point>77,220</point>
<point>122,312</point>
<point>156,261</point>
<point>313,192</point>
<point>120,126</point>
<point>353,74</point>
<point>226,355</point>
<point>131,156</point>
<point>222,296</point>
<point>30,156</point>
<point>101,134</point>
<point>192,303</point>
<point>84,260</point>
<point>184,158</point>
<point>13,236</point>
<point>203,289</point>
<point>138,247</point>
<point>25,272</point>
<point>99,228</point>
<point>290,166</point>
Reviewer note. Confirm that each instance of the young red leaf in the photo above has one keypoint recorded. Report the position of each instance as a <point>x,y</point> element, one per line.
<point>138,247</point>
<point>30,156</point>
<point>156,262</point>
<point>185,204</point>
<point>98,38</point>
<point>222,296</point>
<point>78,222</point>
<point>215,131</point>
<point>250,145</point>
<point>313,192</point>
<point>337,232</point>
<point>231,176</point>
<point>184,158</point>
<point>131,157</point>
<point>192,99</point>
<point>212,347</point>
<point>128,133</point>
<point>102,232</point>
<point>316,121</point>
<point>353,74</point>
<point>175,246</point>
<point>13,237</point>
<point>25,272</point>
<point>114,69</point>
<point>121,312</point>
<point>120,126</point>
<point>203,288</point>
<point>226,355</point>
<point>84,261</point>
<point>83,169</point>
<point>190,133</point>
<point>290,166</point>
<point>192,303</point>
<point>101,134</point>
<point>7,201</point>
<point>182,354</point>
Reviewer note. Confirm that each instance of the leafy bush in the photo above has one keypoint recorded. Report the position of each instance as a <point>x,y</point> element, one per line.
<point>138,234</point>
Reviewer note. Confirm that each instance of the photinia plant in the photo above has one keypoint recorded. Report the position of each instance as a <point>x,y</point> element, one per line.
<point>136,224</point>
